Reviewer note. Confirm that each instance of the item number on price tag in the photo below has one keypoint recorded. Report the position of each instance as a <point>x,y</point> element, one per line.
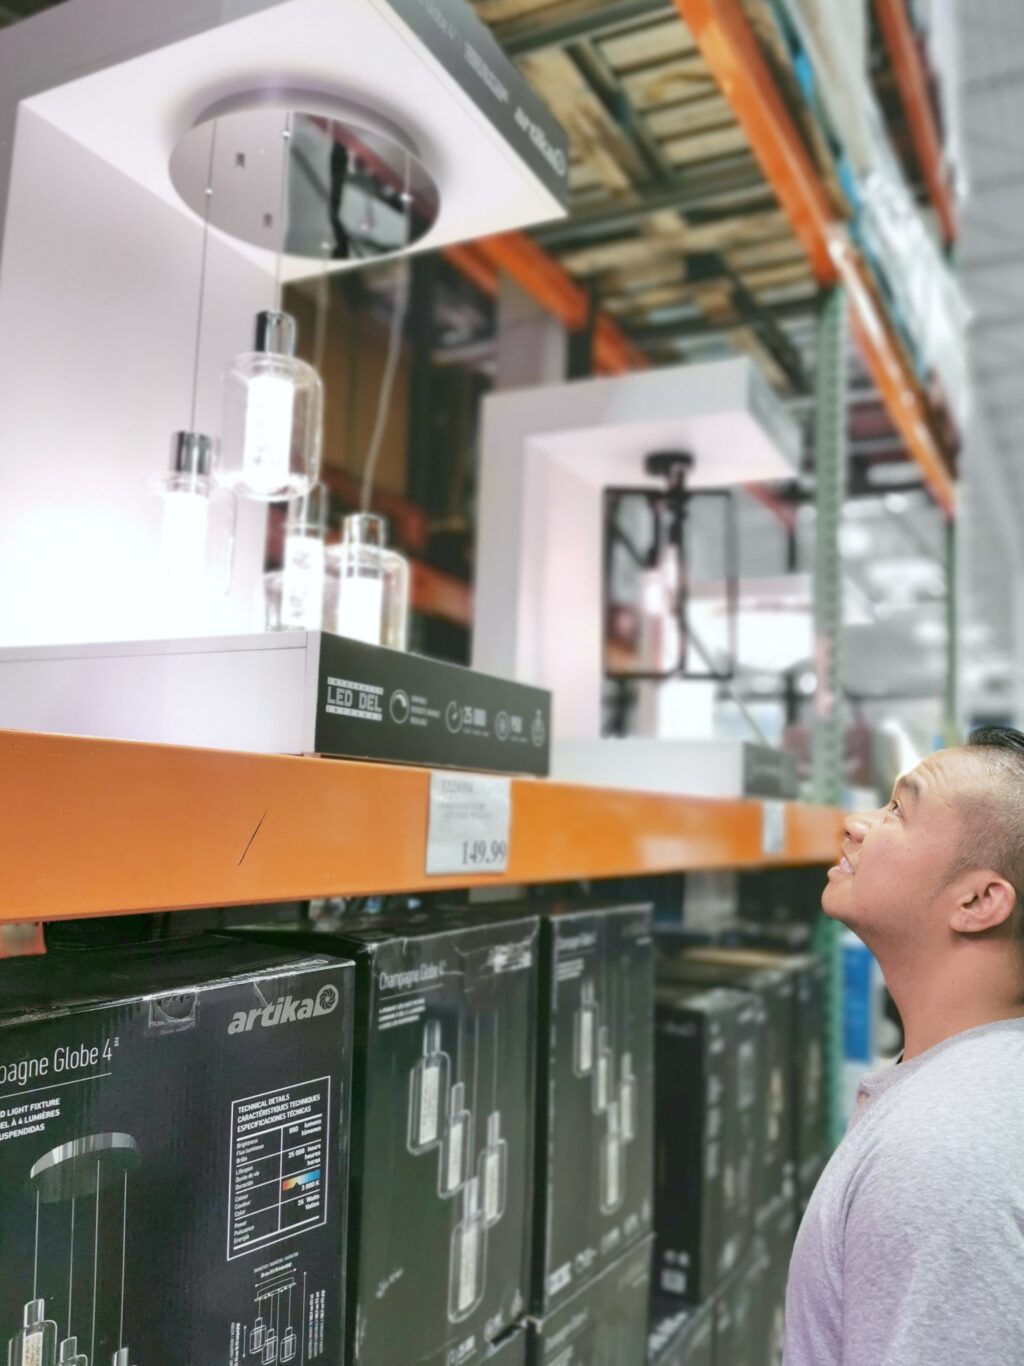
<point>470,818</point>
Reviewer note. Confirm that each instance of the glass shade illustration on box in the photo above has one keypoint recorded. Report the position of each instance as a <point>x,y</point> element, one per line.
<point>71,1185</point>
<point>468,1256</point>
<point>369,584</point>
<point>453,1163</point>
<point>493,1171</point>
<point>627,1099</point>
<point>602,1093</point>
<point>265,1341</point>
<point>613,1162</point>
<point>293,596</point>
<point>192,522</point>
<point>273,412</point>
<point>429,1092</point>
<point>585,1032</point>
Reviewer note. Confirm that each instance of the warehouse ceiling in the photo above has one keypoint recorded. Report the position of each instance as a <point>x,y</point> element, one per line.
<point>991,264</point>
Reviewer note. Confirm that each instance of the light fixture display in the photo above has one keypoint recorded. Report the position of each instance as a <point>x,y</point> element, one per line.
<point>273,404</point>
<point>428,1092</point>
<point>294,595</point>
<point>585,1031</point>
<point>468,1256</point>
<point>493,1171</point>
<point>194,528</point>
<point>82,1170</point>
<point>455,1153</point>
<point>371,584</point>
<point>665,635</point>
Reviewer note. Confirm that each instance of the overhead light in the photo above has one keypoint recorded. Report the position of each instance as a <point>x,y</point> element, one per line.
<point>370,584</point>
<point>929,632</point>
<point>896,503</point>
<point>855,540</point>
<point>272,416</point>
<point>294,595</point>
<point>194,527</point>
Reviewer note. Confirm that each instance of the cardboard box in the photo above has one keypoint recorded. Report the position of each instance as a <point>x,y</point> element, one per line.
<point>774,990</point>
<point>510,1351</point>
<point>739,1339</point>
<point>605,1323</point>
<point>444,1081</point>
<point>595,1141</point>
<point>704,1057</point>
<point>808,1092</point>
<point>681,1335</point>
<point>173,1164</point>
<point>777,1234</point>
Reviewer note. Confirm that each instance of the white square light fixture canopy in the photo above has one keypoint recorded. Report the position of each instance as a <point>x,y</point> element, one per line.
<point>397,117</point>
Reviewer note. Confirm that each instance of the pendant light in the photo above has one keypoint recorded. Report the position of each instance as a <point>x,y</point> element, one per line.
<point>370,588</point>
<point>273,402</point>
<point>294,595</point>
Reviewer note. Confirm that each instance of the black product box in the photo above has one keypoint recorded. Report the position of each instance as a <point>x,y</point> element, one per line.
<point>807,1090</point>
<point>774,990</point>
<point>595,1137</point>
<point>444,1084</point>
<point>373,703</point>
<point>777,1233</point>
<point>739,1328</point>
<point>681,1335</point>
<point>605,1323</point>
<point>704,1056</point>
<point>510,1351</point>
<point>174,1154</point>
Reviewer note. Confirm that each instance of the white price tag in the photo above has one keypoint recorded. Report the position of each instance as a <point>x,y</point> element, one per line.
<point>470,818</point>
<point>773,829</point>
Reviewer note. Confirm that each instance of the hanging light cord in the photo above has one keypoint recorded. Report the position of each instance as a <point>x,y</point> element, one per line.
<point>71,1265</point>
<point>397,329</point>
<point>202,275</point>
<point>35,1260</point>
<point>286,138</point>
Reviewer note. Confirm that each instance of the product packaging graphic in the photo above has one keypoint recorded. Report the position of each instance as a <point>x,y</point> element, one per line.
<point>510,1351</point>
<point>701,1137</point>
<point>595,1128</point>
<point>681,1335</point>
<point>604,1323</point>
<point>442,1139</point>
<point>774,991</point>
<point>173,1155</point>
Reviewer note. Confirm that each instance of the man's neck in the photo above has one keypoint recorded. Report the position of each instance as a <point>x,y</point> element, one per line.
<point>937,1004</point>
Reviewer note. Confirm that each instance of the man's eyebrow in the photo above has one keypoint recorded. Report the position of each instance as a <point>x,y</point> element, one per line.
<point>910,786</point>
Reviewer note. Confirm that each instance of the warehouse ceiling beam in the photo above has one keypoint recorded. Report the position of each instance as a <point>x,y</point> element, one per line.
<point>730,47</point>
<point>912,81</point>
<point>581,20</point>
<point>687,327</point>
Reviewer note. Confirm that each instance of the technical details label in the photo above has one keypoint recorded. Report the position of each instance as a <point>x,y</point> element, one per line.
<point>279,1145</point>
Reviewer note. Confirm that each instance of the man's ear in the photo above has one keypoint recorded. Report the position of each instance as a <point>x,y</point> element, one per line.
<point>984,902</point>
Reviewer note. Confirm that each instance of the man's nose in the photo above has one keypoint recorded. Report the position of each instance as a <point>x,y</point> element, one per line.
<point>857,824</point>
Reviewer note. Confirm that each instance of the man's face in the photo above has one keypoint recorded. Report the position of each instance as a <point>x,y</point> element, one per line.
<point>888,885</point>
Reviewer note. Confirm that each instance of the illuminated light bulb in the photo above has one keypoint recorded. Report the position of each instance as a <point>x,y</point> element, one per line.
<point>371,584</point>
<point>35,1343</point>
<point>185,510</point>
<point>273,405</point>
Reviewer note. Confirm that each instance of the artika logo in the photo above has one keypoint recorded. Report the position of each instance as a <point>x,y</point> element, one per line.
<point>286,1011</point>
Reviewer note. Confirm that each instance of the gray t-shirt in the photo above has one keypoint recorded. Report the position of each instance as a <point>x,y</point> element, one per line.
<point>911,1252</point>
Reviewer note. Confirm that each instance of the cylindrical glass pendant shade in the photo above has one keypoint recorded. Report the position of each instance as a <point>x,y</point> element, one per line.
<point>294,595</point>
<point>273,413</point>
<point>370,586</point>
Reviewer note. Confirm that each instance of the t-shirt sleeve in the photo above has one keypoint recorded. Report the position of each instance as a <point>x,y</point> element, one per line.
<point>933,1252</point>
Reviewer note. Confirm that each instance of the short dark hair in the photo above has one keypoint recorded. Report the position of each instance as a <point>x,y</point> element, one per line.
<point>994,834</point>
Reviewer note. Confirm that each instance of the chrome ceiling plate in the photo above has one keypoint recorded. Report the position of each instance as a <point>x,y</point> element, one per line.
<point>311,179</point>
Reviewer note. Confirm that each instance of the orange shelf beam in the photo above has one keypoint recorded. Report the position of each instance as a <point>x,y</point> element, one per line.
<point>908,68</point>
<point>730,48</point>
<point>100,827</point>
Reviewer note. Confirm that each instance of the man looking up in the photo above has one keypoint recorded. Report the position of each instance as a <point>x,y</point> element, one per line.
<point>911,1252</point>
